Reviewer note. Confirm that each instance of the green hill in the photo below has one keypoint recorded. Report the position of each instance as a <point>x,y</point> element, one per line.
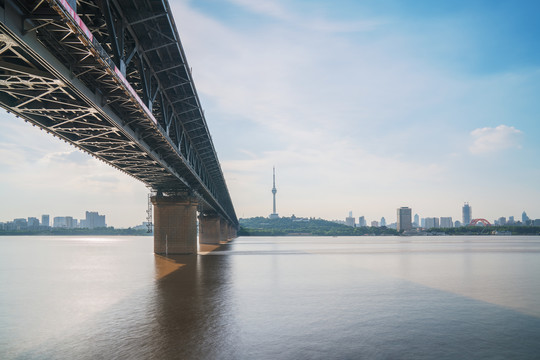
<point>290,226</point>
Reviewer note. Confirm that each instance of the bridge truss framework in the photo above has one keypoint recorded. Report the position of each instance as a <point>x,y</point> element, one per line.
<point>112,79</point>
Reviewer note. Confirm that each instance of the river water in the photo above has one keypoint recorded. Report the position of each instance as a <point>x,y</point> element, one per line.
<point>271,298</point>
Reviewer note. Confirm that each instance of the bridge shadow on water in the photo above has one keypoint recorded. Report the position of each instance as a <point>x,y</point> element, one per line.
<point>228,306</point>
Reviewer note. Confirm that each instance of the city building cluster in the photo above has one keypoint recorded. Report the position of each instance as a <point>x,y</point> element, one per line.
<point>92,221</point>
<point>405,221</point>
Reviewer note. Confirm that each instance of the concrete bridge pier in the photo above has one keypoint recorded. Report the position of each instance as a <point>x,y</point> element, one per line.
<point>210,229</point>
<point>224,230</point>
<point>230,232</point>
<point>175,224</point>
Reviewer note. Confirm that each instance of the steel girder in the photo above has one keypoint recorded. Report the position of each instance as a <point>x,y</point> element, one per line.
<point>138,111</point>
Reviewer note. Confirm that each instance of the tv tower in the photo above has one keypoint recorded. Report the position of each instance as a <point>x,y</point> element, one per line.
<point>274,215</point>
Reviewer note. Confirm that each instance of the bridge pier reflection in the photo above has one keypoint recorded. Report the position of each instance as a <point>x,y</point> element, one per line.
<point>175,224</point>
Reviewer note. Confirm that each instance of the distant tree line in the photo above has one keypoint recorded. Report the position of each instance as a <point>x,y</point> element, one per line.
<point>290,226</point>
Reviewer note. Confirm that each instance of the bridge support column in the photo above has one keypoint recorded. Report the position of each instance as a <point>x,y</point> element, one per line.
<point>210,229</point>
<point>175,225</point>
<point>223,230</point>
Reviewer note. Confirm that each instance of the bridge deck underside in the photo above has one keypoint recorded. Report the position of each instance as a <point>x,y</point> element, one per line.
<point>142,117</point>
<point>32,93</point>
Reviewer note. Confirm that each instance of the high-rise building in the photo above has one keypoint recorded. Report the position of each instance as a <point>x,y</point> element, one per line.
<point>69,222</point>
<point>59,222</point>
<point>416,221</point>
<point>431,222</point>
<point>45,220</point>
<point>33,223</point>
<point>374,223</point>
<point>362,221</point>
<point>274,214</point>
<point>446,222</point>
<point>423,222</point>
<point>511,220</point>
<point>20,224</point>
<point>457,223</point>
<point>66,222</point>
<point>524,218</point>
<point>467,213</point>
<point>501,221</point>
<point>350,221</point>
<point>93,220</point>
<point>404,219</point>
<point>383,221</point>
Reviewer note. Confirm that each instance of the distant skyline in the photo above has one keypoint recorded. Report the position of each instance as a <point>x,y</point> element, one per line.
<point>362,106</point>
<point>349,214</point>
<point>90,217</point>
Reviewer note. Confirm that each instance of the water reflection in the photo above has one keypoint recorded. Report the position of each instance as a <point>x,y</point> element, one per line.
<point>194,309</point>
<point>271,298</point>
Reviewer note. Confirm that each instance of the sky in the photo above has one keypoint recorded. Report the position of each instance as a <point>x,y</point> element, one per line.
<point>362,106</point>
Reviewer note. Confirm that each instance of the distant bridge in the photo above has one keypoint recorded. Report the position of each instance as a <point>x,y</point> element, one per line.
<point>111,78</point>
<point>481,221</point>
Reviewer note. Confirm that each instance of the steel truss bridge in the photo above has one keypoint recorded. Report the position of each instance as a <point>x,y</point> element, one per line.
<point>111,78</point>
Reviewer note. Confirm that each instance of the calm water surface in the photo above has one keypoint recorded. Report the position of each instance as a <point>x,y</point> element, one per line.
<point>271,298</point>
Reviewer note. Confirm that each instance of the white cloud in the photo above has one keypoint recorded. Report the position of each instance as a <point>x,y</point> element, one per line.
<point>264,7</point>
<point>74,156</point>
<point>296,84</point>
<point>9,157</point>
<point>278,11</point>
<point>489,140</point>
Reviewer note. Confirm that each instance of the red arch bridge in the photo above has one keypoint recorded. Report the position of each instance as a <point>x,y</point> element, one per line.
<point>482,221</point>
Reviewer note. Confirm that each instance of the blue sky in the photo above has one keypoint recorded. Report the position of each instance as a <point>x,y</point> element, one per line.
<point>361,105</point>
